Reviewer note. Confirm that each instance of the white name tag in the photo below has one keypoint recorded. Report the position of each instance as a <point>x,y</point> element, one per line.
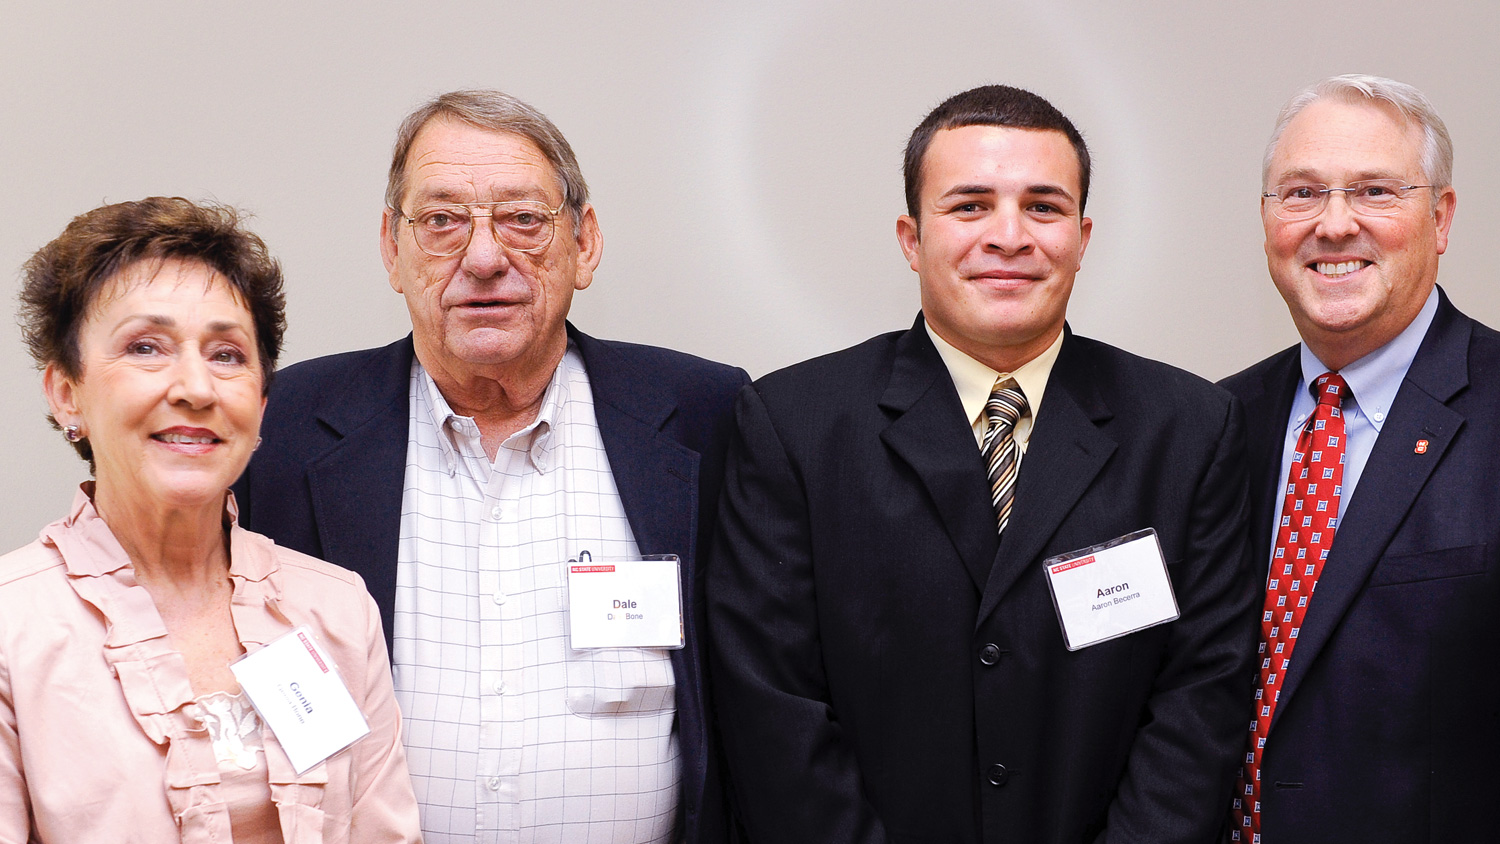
<point>1109,590</point>
<point>624,603</point>
<point>298,692</point>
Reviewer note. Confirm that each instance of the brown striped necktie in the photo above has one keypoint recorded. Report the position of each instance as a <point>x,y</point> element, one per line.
<point>1007,404</point>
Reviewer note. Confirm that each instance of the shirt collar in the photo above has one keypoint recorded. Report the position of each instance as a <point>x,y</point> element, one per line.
<point>542,438</point>
<point>1375,378</point>
<point>974,380</point>
<point>91,549</point>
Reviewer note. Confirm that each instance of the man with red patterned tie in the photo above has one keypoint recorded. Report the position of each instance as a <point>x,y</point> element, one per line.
<point>1375,450</point>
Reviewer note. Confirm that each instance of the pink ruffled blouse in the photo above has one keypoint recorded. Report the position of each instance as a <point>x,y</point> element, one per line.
<point>101,739</point>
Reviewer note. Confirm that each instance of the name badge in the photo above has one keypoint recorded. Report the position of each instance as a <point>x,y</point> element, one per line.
<point>295,686</point>
<point>625,603</point>
<point>1110,590</point>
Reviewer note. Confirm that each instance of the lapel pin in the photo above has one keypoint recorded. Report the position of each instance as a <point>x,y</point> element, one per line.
<point>1421,447</point>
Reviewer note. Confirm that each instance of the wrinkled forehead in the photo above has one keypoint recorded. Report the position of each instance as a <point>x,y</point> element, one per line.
<point>453,161</point>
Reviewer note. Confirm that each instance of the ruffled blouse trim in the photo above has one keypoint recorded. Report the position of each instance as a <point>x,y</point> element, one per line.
<point>154,677</point>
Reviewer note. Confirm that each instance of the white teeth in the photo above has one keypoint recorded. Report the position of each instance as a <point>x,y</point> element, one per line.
<point>184,438</point>
<point>1341,268</point>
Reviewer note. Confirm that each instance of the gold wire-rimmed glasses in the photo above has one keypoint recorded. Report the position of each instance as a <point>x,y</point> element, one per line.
<point>444,230</point>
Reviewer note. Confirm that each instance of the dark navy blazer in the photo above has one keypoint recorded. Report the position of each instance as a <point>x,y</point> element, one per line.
<point>1388,726</point>
<point>328,481</point>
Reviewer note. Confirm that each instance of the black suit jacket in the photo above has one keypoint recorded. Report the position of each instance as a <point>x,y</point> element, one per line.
<point>887,669</point>
<point>328,481</point>
<point>1388,726</point>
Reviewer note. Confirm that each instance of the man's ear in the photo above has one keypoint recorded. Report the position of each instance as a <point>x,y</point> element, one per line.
<point>590,248</point>
<point>908,236</point>
<point>1085,230</point>
<point>1443,216</point>
<point>388,246</point>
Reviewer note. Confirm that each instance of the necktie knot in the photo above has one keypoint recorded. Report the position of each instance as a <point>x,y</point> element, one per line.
<point>1006,405</point>
<point>1330,389</point>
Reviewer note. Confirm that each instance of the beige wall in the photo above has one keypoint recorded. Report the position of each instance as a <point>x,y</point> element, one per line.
<point>745,158</point>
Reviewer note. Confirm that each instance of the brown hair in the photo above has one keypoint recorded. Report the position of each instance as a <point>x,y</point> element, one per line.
<point>64,278</point>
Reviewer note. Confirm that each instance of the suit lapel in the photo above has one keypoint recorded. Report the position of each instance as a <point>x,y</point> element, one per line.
<point>930,434</point>
<point>356,485</point>
<point>1066,452</point>
<point>657,479</point>
<point>656,476</point>
<point>1393,477</point>
<point>1267,412</point>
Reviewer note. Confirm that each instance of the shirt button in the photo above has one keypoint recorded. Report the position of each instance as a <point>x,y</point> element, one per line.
<point>989,654</point>
<point>495,512</point>
<point>997,775</point>
<point>1378,416</point>
<point>494,783</point>
<point>500,597</point>
<point>499,687</point>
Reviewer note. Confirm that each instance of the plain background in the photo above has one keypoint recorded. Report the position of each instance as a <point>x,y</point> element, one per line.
<point>744,158</point>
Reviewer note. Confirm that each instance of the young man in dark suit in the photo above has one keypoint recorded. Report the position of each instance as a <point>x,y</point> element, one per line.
<point>888,660</point>
<point>460,469</point>
<point>1376,715</point>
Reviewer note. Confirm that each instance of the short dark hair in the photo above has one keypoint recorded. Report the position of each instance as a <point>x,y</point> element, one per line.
<point>990,105</point>
<point>64,278</point>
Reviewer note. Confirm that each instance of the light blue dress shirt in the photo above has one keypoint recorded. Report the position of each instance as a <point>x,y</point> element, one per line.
<point>1373,381</point>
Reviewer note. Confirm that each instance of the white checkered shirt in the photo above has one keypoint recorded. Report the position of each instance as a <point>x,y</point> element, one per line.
<point>510,735</point>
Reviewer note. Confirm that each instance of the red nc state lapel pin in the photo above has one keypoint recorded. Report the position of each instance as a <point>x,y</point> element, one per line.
<point>1421,447</point>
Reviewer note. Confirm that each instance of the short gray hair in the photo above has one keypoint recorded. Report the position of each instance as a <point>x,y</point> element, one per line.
<point>497,111</point>
<point>1414,107</point>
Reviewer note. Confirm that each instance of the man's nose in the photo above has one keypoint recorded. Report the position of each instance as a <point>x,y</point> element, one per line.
<point>485,256</point>
<point>1006,231</point>
<point>1338,220</point>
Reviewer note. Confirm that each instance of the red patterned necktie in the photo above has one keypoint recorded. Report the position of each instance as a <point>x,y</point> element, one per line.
<point>1309,516</point>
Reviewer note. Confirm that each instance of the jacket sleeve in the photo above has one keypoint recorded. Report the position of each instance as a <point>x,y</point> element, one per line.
<point>792,771</point>
<point>1192,736</point>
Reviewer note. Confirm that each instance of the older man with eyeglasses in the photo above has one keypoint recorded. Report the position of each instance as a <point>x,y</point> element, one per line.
<point>1375,509</point>
<point>504,483</point>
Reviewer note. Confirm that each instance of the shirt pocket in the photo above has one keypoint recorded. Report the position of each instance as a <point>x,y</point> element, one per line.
<point>620,682</point>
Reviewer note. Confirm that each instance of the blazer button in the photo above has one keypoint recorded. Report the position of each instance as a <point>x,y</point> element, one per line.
<point>989,654</point>
<point>997,775</point>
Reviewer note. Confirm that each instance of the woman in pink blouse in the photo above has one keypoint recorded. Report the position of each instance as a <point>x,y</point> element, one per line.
<point>157,325</point>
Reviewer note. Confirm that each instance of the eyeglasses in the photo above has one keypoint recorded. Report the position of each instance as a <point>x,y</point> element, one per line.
<point>1370,198</point>
<point>445,230</point>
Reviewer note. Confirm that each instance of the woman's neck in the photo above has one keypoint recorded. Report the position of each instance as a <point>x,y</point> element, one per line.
<point>183,548</point>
